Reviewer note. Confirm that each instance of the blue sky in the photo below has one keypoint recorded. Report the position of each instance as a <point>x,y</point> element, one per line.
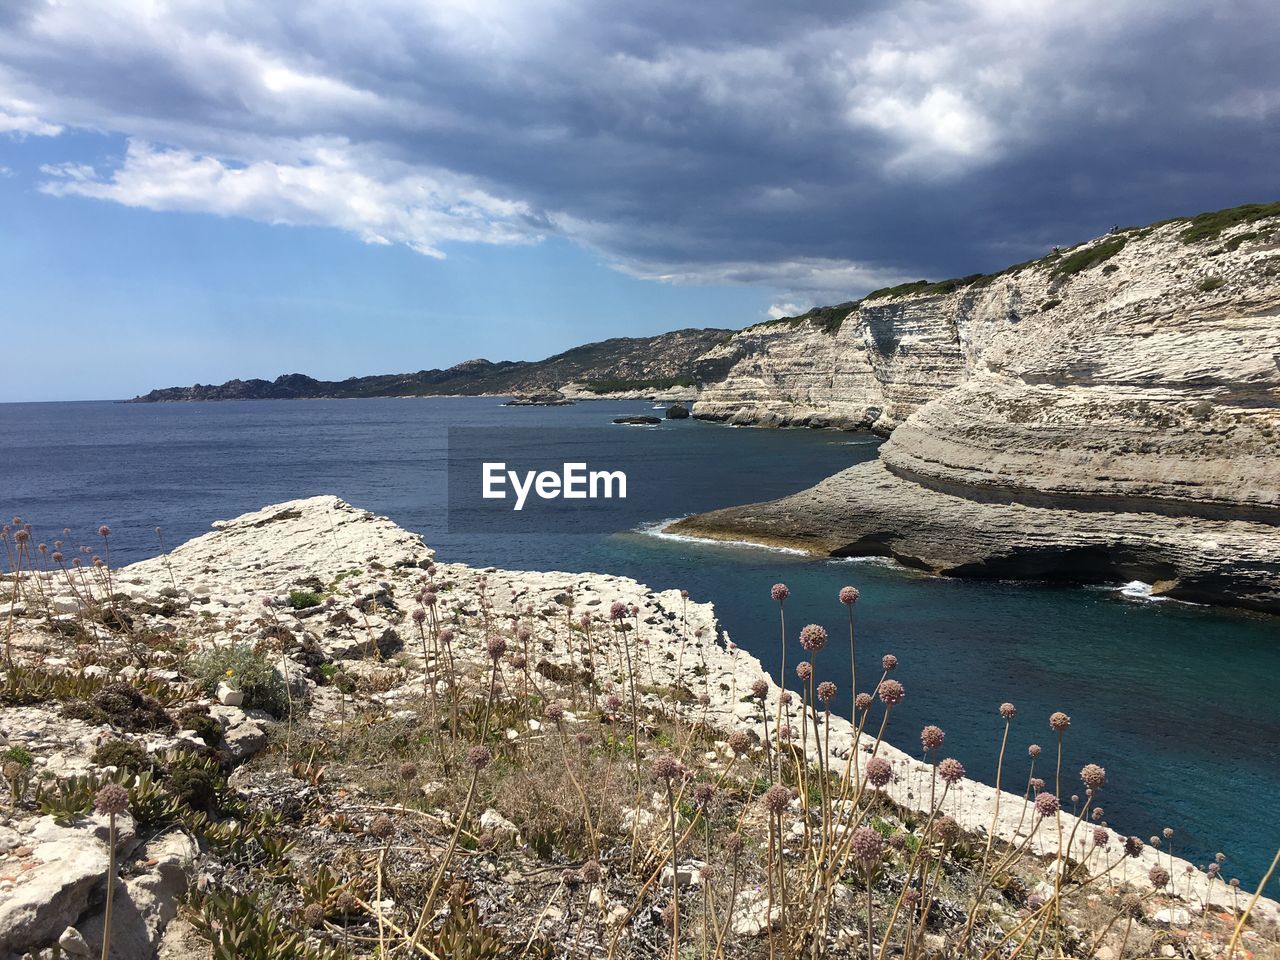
<point>193,191</point>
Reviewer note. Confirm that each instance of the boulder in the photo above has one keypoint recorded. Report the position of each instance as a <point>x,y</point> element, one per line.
<point>677,411</point>
<point>642,420</point>
<point>144,904</point>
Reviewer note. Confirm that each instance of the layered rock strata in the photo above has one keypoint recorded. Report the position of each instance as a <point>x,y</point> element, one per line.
<point>1123,396</point>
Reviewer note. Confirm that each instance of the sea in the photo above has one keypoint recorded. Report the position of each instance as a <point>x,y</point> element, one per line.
<point>1180,703</point>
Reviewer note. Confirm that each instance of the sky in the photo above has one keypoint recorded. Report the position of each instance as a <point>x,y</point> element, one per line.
<point>193,191</point>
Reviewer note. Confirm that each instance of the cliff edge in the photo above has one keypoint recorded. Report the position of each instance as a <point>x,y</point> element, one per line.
<point>1109,411</point>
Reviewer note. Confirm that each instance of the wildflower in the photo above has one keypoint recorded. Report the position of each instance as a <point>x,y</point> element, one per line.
<point>497,646</point>
<point>931,737</point>
<point>891,692</point>
<point>733,843</point>
<point>1093,776</point>
<point>1133,847</point>
<point>104,531</point>
<point>848,596</point>
<point>617,610</point>
<point>554,712</point>
<point>911,898</point>
<point>591,872</point>
<point>1101,836</point>
<point>408,770</point>
<point>1037,784</point>
<point>879,772</point>
<point>776,799</point>
<point>804,671</point>
<point>1097,813</point>
<point>826,691</point>
<point>813,638</point>
<point>760,689</point>
<point>1046,804</point>
<point>446,635</point>
<point>1213,869</point>
<point>1033,751</point>
<point>898,841</point>
<point>570,878</point>
<point>1059,721</point>
<point>381,827</point>
<point>479,756</point>
<point>418,615</point>
<point>862,702</point>
<point>866,846</point>
<point>229,673</point>
<point>667,767</point>
<point>111,799</point>
<point>785,698</point>
<point>1131,904</point>
<point>684,594</point>
<point>707,873</point>
<point>889,662</point>
<point>519,660</point>
<point>779,592</point>
<point>739,742</point>
<point>613,703</point>
<point>1158,876</point>
<point>947,829</point>
<point>951,771</point>
<point>57,556</point>
<point>703,794</point>
<point>1168,833</point>
<point>583,738</point>
<point>1007,710</point>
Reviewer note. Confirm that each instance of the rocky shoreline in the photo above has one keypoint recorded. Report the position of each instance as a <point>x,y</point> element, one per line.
<point>1106,412</point>
<point>211,590</point>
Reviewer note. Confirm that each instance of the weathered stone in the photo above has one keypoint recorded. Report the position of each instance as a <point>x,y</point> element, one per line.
<point>1113,424</point>
<point>144,904</point>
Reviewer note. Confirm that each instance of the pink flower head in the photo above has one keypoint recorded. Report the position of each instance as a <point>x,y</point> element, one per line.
<point>891,692</point>
<point>1046,804</point>
<point>804,671</point>
<point>951,771</point>
<point>889,662</point>
<point>879,772</point>
<point>866,845</point>
<point>931,737</point>
<point>848,596</point>
<point>826,691</point>
<point>779,592</point>
<point>813,638</point>
<point>1007,710</point>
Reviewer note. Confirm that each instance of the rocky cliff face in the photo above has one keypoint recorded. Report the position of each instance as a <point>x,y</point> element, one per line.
<point>1133,378</point>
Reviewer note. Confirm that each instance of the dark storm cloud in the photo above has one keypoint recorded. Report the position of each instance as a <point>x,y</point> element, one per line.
<point>818,150</point>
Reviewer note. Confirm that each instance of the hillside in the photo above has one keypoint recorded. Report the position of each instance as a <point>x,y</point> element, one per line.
<point>623,363</point>
<point>1108,411</point>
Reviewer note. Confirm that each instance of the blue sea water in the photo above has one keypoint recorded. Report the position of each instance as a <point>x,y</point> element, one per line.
<point>1180,703</point>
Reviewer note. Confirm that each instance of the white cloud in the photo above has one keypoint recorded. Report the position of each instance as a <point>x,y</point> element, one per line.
<point>724,142</point>
<point>378,202</point>
<point>777,311</point>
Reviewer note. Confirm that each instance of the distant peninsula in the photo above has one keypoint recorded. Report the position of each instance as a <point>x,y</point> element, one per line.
<point>620,365</point>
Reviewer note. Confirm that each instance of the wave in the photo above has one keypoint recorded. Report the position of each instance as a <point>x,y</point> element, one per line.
<point>657,530</point>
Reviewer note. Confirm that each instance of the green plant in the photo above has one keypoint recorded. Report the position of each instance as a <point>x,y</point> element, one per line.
<point>1090,256</point>
<point>302,599</point>
<point>240,926</point>
<point>122,754</point>
<point>1212,283</point>
<point>1208,226</point>
<point>245,669</point>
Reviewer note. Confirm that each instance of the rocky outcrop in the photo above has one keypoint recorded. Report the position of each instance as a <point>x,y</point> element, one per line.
<point>1124,396</point>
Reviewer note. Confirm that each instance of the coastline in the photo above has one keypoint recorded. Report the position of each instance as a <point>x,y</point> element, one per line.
<point>324,535</point>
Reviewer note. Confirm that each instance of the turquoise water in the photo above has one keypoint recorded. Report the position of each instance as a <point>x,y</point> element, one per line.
<point>1178,702</point>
